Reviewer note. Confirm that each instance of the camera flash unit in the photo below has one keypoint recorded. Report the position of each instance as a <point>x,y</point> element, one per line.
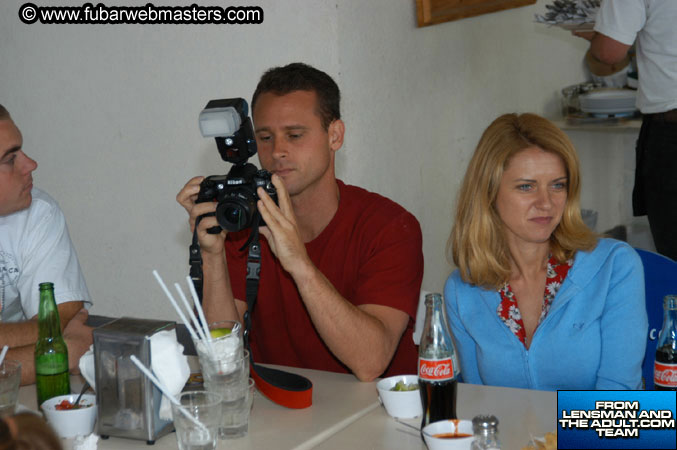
<point>227,121</point>
<point>222,118</point>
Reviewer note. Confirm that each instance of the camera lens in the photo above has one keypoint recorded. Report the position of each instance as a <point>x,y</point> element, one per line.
<point>234,213</point>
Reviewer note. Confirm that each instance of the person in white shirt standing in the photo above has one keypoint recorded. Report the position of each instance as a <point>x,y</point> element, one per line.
<point>653,25</point>
<point>34,247</point>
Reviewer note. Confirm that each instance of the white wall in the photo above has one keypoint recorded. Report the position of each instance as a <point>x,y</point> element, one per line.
<point>110,114</point>
<point>608,174</point>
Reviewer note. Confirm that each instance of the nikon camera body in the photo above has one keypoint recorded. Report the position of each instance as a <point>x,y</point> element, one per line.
<point>227,121</point>
<point>236,196</point>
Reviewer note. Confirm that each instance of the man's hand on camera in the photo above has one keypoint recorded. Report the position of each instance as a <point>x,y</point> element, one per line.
<point>281,229</point>
<point>209,243</point>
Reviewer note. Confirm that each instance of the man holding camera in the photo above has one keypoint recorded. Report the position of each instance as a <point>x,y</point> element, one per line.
<point>341,267</point>
<point>34,248</point>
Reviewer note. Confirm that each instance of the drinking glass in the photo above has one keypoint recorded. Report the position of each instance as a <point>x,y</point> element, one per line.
<point>205,407</point>
<point>235,421</point>
<point>228,377</point>
<point>10,377</point>
<point>226,342</point>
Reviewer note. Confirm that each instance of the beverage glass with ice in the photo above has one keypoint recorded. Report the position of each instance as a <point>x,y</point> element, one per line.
<point>10,377</point>
<point>225,345</point>
<point>205,407</point>
<point>225,370</point>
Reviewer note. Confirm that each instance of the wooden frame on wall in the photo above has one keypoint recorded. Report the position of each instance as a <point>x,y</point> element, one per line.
<point>431,12</point>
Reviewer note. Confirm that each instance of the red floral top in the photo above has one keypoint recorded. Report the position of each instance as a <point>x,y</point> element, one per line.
<point>510,314</point>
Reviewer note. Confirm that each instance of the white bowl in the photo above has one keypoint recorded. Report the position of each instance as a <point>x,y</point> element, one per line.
<point>71,422</point>
<point>401,404</point>
<point>451,426</point>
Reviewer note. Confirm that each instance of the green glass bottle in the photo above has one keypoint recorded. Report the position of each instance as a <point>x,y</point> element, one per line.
<point>51,353</point>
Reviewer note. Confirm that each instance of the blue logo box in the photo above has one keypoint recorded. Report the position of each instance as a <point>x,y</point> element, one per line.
<point>616,419</point>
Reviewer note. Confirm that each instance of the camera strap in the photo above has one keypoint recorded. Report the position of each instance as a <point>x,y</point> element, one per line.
<point>195,262</point>
<point>287,389</point>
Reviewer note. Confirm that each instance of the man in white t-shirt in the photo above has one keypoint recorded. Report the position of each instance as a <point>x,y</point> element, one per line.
<point>653,25</point>
<point>34,248</point>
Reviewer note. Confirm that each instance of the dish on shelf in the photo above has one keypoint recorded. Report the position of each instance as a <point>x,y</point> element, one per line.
<point>608,101</point>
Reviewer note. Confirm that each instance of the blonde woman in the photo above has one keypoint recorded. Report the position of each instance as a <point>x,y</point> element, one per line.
<point>538,300</point>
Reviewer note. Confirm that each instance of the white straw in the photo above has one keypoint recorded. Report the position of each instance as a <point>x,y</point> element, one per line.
<point>206,337</point>
<point>198,306</point>
<point>3,353</point>
<point>198,327</point>
<point>166,392</point>
<point>176,306</point>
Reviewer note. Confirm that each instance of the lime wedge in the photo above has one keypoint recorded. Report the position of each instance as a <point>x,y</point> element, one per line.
<point>218,332</point>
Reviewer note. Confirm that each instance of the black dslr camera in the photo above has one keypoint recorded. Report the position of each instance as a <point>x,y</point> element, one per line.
<point>227,121</point>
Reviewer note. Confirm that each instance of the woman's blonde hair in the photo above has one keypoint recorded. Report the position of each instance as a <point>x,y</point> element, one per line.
<point>477,243</point>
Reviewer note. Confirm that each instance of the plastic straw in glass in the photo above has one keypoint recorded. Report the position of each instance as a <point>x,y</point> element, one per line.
<point>198,326</point>
<point>175,305</point>
<point>198,306</point>
<point>204,332</point>
<point>166,392</point>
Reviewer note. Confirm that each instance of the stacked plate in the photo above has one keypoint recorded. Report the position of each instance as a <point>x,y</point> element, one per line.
<point>609,101</point>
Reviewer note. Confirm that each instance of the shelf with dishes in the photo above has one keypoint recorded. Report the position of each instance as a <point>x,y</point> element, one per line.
<point>591,106</point>
<point>608,101</point>
<point>584,123</point>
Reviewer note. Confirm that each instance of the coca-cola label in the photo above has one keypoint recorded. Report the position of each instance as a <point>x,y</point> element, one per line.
<point>665,374</point>
<point>435,369</point>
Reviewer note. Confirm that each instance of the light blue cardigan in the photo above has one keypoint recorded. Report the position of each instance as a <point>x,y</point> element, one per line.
<point>593,337</point>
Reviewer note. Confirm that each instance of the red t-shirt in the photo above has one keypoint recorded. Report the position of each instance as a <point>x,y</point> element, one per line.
<point>371,252</point>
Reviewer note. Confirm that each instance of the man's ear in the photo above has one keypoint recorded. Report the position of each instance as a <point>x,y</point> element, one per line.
<point>335,132</point>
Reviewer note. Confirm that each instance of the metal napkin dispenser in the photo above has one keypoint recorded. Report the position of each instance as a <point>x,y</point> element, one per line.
<point>128,402</point>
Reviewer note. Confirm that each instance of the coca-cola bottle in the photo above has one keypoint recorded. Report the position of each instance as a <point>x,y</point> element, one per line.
<point>438,368</point>
<point>665,364</point>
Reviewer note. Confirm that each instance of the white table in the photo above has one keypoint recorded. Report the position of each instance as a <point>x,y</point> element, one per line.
<point>520,412</point>
<point>338,400</point>
<point>346,414</point>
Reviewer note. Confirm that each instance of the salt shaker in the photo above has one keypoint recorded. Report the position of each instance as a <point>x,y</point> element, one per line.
<point>485,429</point>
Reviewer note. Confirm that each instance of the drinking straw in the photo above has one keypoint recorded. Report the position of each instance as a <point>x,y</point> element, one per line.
<point>204,333</point>
<point>198,306</point>
<point>198,326</point>
<point>3,353</point>
<point>166,392</point>
<point>176,306</point>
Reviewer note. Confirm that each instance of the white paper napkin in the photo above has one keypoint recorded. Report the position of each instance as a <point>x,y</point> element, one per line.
<point>86,365</point>
<point>169,365</point>
<point>86,442</point>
